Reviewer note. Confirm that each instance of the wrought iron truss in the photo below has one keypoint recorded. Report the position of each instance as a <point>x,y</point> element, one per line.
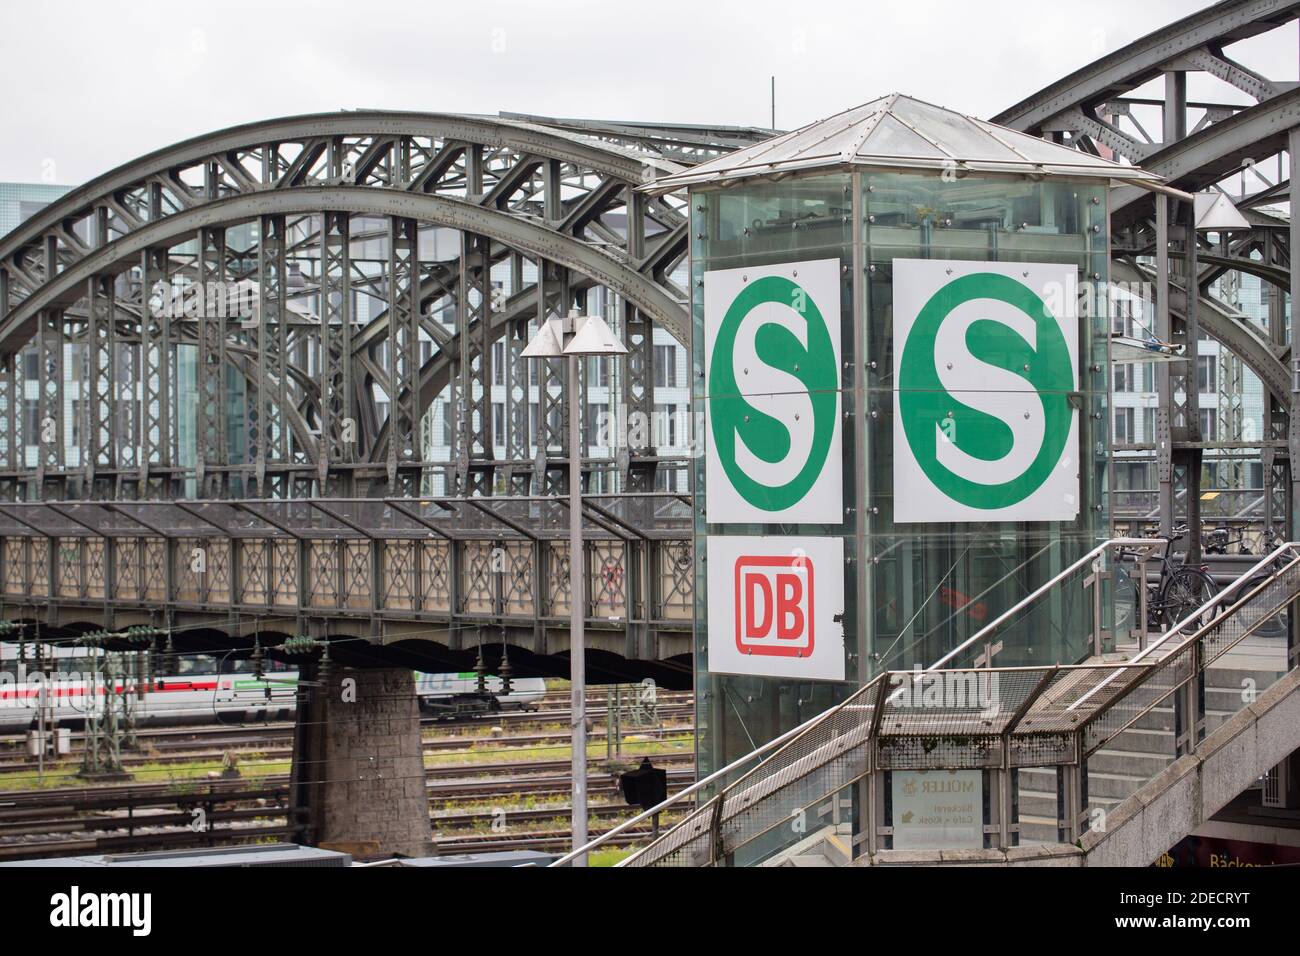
<point>368,263</point>
<point>449,572</point>
<point>1248,152</point>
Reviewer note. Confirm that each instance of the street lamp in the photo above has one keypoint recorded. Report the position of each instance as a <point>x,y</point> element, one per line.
<point>576,336</point>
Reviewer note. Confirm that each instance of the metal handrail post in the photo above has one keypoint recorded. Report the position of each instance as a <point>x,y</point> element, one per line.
<point>1194,616</point>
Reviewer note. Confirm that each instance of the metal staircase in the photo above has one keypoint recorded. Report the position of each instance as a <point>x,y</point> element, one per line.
<point>1059,748</point>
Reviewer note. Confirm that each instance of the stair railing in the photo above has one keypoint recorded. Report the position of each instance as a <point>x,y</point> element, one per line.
<point>982,635</point>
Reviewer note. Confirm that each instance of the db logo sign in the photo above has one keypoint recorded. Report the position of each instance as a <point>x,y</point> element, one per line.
<point>774,606</point>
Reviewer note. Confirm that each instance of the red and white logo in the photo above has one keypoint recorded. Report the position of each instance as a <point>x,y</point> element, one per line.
<point>774,605</point>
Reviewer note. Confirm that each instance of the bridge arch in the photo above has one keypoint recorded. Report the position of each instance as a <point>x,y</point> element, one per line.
<point>549,201</point>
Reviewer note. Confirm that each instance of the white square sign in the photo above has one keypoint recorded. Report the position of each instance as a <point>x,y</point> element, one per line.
<point>986,359</point>
<point>938,809</point>
<point>776,606</point>
<point>772,394</point>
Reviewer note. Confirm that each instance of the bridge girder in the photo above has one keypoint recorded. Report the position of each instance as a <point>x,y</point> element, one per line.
<point>1090,106</point>
<point>559,201</point>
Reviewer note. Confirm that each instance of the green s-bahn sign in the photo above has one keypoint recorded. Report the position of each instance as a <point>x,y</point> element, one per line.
<point>985,362</point>
<point>772,377</point>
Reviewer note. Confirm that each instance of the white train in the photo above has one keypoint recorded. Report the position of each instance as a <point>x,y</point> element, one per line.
<point>205,696</point>
<point>455,694</point>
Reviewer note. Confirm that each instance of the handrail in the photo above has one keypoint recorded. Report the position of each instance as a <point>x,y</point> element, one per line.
<point>790,737</point>
<point>856,696</point>
<point>829,712</point>
<point>1217,598</point>
<point>693,788</point>
<point>1244,587</point>
<point>1039,592</point>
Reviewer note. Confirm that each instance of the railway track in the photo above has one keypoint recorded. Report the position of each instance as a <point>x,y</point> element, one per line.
<point>280,747</point>
<point>471,803</point>
<point>93,820</point>
<point>163,739</point>
<point>545,841</point>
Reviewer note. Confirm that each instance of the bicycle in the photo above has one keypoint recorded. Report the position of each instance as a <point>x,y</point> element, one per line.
<point>1219,540</point>
<point>1181,588</point>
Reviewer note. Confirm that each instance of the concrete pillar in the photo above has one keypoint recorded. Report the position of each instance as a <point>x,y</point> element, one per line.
<point>358,775</point>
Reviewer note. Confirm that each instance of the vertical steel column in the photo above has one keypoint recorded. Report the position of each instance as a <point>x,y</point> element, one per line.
<point>1164,385</point>
<point>49,423</point>
<point>403,345</point>
<point>98,418</point>
<point>552,195</point>
<point>128,354</point>
<point>638,374</point>
<point>155,353</point>
<point>516,388</point>
<point>211,426</point>
<point>1192,456</point>
<point>553,287</point>
<point>272,444</point>
<point>252,332</point>
<point>1276,462</point>
<point>462,389</point>
<point>474,297</point>
<point>638,397</point>
<point>1293,429</point>
<point>1175,128</point>
<point>487,339</point>
<point>9,458</point>
<point>859,290</point>
<point>338,420</point>
<point>18,437</point>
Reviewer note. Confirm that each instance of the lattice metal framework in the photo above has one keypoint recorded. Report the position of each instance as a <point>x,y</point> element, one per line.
<point>1246,151</point>
<point>318,283</point>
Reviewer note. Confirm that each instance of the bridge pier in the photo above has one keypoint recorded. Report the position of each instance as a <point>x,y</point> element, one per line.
<point>358,782</point>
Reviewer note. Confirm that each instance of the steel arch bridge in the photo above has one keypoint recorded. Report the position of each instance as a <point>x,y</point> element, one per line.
<point>369,263</point>
<point>316,282</point>
<point>1196,146</point>
<point>340,213</point>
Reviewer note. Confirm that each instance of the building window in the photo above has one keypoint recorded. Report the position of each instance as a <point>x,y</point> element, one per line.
<point>1209,425</point>
<point>1124,377</point>
<point>1124,425</point>
<point>498,363</point>
<point>1149,377</point>
<point>665,366</point>
<point>498,423</point>
<point>1119,325</point>
<point>666,433</point>
<point>1148,424</point>
<point>1207,374</point>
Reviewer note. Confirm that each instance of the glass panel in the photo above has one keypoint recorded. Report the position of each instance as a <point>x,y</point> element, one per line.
<point>954,133</point>
<point>937,584</point>
<point>928,585</point>
<point>892,138</point>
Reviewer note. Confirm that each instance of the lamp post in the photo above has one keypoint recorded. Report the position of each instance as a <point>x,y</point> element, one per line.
<point>576,336</point>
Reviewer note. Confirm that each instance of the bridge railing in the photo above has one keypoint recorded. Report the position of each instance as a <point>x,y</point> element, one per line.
<point>462,559</point>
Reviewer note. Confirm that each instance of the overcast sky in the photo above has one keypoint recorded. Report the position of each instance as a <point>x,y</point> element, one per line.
<point>90,85</point>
